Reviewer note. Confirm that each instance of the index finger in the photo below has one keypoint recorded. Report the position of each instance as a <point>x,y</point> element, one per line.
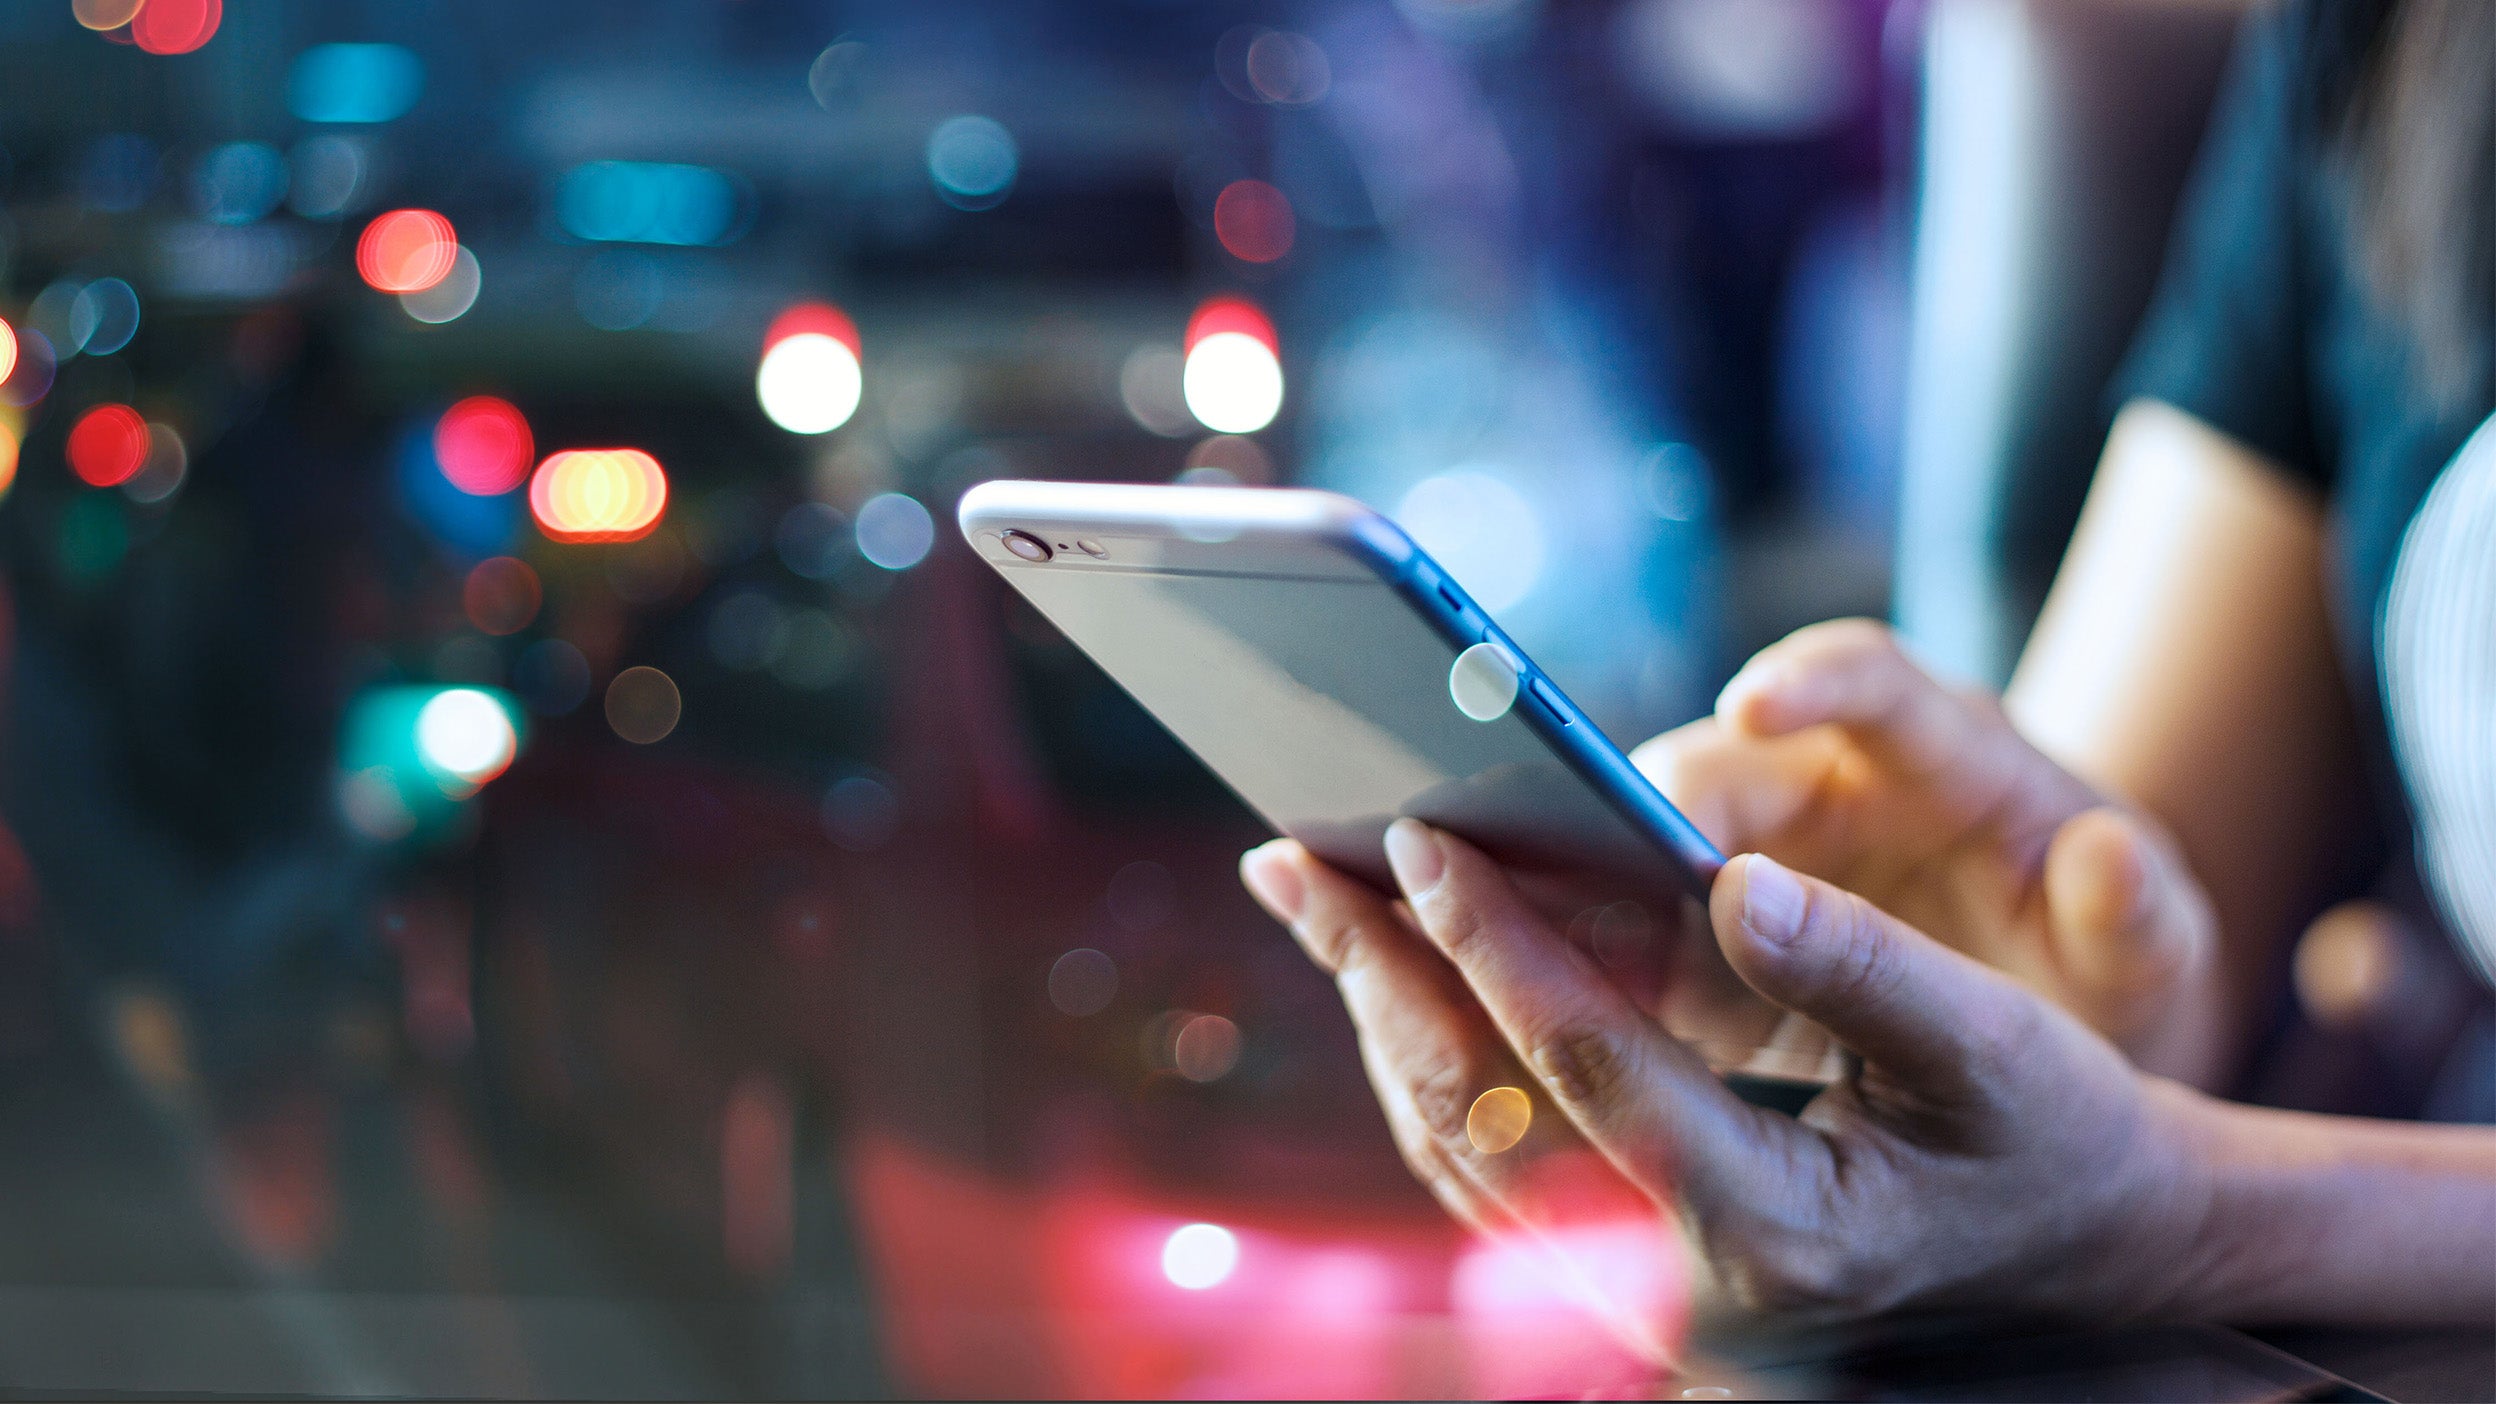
<point>1647,1102</point>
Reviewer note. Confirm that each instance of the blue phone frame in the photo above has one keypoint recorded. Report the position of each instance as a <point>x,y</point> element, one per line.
<point>1562,725</point>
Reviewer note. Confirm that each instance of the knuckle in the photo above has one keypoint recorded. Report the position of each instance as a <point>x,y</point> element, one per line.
<point>1460,927</point>
<point>1862,964</point>
<point>1799,1274</point>
<point>1851,641</point>
<point>1997,1042</point>
<point>1584,1064</point>
<point>1442,1098</point>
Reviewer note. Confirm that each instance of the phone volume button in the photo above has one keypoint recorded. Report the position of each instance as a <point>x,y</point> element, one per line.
<point>1549,697</point>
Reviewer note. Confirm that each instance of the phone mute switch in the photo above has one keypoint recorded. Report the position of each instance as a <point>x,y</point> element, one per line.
<point>1549,697</point>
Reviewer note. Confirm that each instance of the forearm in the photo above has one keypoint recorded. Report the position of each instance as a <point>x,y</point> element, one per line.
<point>2184,661</point>
<point>2335,1219</point>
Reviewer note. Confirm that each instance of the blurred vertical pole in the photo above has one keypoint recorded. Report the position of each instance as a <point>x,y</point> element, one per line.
<point>1972,240</point>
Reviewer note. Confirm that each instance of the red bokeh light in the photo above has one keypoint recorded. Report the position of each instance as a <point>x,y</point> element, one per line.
<point>821,318</point>
<point>176,26</point>
<point>598,495</point>
<point>501,595</point>
<point>107,445</point>
<point>1253,220</point>
<point>484,446</point>
<point>406,251</point>
<point>1231,314</point>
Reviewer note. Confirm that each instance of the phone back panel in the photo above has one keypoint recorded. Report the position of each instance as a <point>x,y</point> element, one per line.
<point>1303,649</point>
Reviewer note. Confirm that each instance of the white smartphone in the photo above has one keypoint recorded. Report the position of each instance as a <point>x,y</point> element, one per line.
<point>1336,678</point>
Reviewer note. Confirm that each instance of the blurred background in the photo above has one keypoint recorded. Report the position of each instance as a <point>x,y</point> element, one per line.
<point>535,861</point>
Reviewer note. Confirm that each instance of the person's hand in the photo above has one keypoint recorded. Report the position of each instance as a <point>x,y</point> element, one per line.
<point>1990,1149</point>
<point>1833,753</point>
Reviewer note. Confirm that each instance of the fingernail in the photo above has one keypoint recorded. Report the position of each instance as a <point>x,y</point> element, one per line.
<point>1415,857</point>
<point>1772,900</point>
<point>1274,883</point>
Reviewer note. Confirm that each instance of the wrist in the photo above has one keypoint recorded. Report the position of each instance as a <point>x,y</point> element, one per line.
<point>2196,1247</point>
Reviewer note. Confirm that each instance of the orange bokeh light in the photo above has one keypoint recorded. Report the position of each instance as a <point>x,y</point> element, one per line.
<point>406,251</point>
<point>107,445</point>
<point>175,26</point>
<point>8,458</point>
<point>8,349</point>
<point>484,446</point>
<point>598,495</point>
<point>821,318</point>
<point>102,15</point>
<point>1231,314</point>
<point>1253,220</point>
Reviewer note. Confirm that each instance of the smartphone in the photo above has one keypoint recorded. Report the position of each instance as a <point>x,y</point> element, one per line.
<point>1336,678</point>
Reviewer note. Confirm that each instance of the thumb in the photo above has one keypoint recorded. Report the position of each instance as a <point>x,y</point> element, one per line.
<point>1905,1003</point>
<point>2125,915</point>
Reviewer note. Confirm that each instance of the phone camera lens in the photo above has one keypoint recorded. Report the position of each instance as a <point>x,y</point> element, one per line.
<point>1026,545</point>
<point>1092,548</point>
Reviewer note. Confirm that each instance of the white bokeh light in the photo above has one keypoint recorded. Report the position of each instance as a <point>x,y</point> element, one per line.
<point>894,531</point>
<point>1233,384</point>
<point>1484,531</point>
<point>1199,1256</point>
<point>450,299</point>
<point>466,734</point>
<point>809,383</point>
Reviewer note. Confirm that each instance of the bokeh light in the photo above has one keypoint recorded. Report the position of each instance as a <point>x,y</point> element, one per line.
<point>406,251</point>
<point>176,26</point>
<point>103,15</point>
<point>643,705</point>
<point>1232,380</point>
<point>973,161</point>
<point>598,495</point>
<point>861,812</point>
<point>103,317</point>
<point>484,445</point>
<point>1288,69</point>
<point>8,348</point>
<point>1228,459</point>
<point>107,445</point>
<point>466,737</point>
<point>810,381</point>
<point>821,318</point>
<point>1499,1119</point>
<point>1217,315</point>
<point>1484,531</point>
<point>473,526</point>
<point>649,202</point>
<point>553,675</point>
<point>8,458</point>
<point>1199,1256</point>
<point>1148,385</point>
<point>501,595</point>
<point>31,377</point>
<point>1254,221</point>
<point>1205,1049</point>
<point>895,531</point>
<point>161,472</point>
<point>1082,982</point>
<point>449,299</point>
<point>354,83</point>
<point>329,175</point>
<point>238,182</point>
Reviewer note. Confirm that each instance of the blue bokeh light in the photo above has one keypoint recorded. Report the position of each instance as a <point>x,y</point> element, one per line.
<point>360,83</point>
<point>646,202</point>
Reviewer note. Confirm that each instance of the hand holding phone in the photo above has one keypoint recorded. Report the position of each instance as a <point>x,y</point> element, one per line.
<point>1335,677</point>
